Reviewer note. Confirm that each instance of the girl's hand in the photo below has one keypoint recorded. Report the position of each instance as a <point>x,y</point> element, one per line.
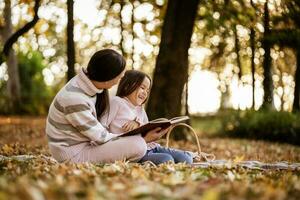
<point>155,134</point>
<point>130,125</point>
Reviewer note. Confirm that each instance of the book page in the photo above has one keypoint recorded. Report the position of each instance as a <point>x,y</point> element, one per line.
<point>158,120</point>
<point>179,119</point>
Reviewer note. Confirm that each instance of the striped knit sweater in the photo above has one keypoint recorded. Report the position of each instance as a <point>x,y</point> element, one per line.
<point>72,119</point>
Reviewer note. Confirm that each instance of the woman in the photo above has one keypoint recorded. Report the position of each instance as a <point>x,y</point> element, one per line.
<point>73,130</point>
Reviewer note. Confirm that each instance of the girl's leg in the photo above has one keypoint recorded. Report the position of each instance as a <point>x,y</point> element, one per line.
<point>178,155</point>
<point>131,148</point>
<point>157,158</point>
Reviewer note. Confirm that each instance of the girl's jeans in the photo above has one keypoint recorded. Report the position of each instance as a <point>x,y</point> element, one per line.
<point>161,154</point>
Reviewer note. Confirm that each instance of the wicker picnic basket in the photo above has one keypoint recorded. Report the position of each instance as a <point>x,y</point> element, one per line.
<point>197,156</point>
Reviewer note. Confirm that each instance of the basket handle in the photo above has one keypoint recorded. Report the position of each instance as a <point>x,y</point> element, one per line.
<point>199,154</point>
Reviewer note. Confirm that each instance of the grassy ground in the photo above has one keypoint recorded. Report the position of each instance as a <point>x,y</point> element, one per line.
<point>207,126</point>
<point>41,178</point>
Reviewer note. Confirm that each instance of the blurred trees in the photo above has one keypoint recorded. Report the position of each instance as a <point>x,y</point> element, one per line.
<point>286,34</point>
<point>238,34</point>
<point>223,27</point>
<point>13,84</point>
<point>36,96</point>
<point>246,44</point>
<point>9,38</point>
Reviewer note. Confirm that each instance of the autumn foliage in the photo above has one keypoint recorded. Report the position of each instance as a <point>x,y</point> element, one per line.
<point>38,176</point>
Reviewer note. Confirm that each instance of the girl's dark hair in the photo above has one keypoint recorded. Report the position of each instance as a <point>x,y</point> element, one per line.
<point>131,80</point>
<point>104,65</point>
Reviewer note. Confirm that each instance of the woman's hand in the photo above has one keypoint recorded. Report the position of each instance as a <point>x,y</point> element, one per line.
<point>155,134</point>
<point>130,125</point>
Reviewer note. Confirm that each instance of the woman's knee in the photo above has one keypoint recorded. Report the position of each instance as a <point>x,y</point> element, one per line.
<point>139,146</point>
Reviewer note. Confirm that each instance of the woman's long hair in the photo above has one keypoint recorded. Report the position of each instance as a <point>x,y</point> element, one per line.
<point>131,80</point>
<point>102,103</point>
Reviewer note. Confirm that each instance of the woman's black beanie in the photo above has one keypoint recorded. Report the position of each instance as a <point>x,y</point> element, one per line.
<point>105,65</point>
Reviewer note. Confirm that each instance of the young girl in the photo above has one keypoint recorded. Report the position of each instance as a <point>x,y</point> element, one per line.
<point>127,113</point>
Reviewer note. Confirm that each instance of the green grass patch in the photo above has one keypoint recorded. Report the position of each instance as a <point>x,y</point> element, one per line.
<point>266,125</point>
<point>208,126</point>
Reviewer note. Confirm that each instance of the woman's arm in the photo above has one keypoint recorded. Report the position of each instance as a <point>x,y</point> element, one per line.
<point>155,134</point>
<point>79,115</point>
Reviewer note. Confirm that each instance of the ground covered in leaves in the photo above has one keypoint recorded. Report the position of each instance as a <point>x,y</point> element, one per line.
<point>40,177</point>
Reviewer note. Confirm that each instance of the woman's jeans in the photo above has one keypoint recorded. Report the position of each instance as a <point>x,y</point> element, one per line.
<point>160,155</point>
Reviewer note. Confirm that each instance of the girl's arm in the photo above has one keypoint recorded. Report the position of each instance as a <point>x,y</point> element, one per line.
<point>145,119</point>
<point>130,125</point>
<point>140,120</point>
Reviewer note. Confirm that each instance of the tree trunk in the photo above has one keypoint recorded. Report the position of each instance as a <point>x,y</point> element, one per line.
<point>13,83</point>
<point>122,29</point>
<point>252,45</point>
<point>70,41</point>
<point>133,34</point>
<point>267,82</point>
<point>296,103</point>
<point>237,51</point>
<point>171,70</point>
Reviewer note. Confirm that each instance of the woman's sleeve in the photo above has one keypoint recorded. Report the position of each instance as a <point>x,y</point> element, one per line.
<point>80,116</point>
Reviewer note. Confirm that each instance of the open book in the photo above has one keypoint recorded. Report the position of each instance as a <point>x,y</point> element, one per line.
<point>160,122</point>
